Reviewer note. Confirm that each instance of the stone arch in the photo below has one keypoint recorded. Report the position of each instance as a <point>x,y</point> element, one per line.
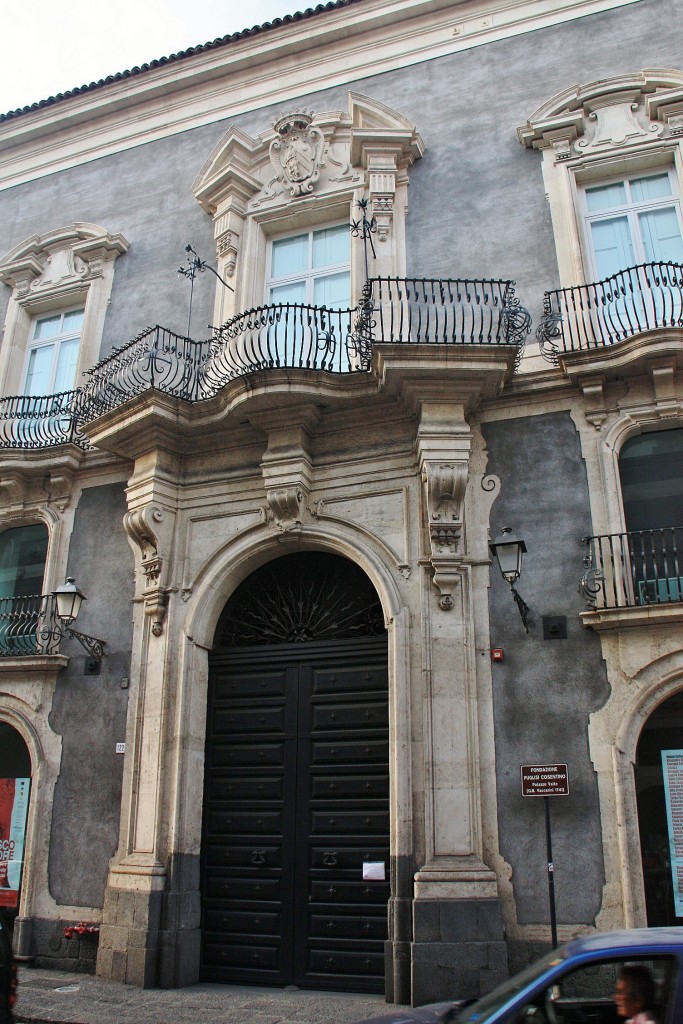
<point>215,583</point>
<point>652,686</point>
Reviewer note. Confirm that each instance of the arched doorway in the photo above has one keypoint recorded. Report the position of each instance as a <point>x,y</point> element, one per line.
<point>15,784</point>
<point>295,839</point>
<point>659,792</point>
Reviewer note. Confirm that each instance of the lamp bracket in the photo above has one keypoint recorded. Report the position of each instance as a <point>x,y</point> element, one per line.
<point>93,645</point>
<point>523,607</point>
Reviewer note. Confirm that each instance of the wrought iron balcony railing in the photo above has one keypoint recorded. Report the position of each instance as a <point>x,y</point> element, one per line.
<point>287,336</point>
<point>629,570</point>
<point>28,421</point>
<point>447,312</point>
<point>28,626</point>
<point>593,316</point>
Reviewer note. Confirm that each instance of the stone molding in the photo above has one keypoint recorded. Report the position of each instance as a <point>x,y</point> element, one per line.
<point>307,169</point>
<point>70,266</point>
<point>603,129</point>
<point>137,110</point>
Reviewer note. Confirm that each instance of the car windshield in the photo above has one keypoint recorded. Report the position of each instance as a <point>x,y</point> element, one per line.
<point>485,1007</point>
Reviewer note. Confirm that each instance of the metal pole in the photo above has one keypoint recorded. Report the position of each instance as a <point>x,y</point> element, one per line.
<point>551,873</point>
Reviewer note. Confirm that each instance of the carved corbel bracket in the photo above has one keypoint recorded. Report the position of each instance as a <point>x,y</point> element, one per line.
<point>663,376</point>
<point>446,578</point>
<point>594,392</point>
<point>156,606</point>
<point>143,526</point>
<point>13,488</point>
<point>445,484</point>
<point>287,505</point>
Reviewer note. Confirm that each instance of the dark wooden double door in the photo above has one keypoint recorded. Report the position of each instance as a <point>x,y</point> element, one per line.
<point>296,803</point>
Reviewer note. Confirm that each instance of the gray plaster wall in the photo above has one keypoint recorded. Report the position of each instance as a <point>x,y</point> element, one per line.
<point>477,205</point>
<point>89,712</point>
<point>545,690</point>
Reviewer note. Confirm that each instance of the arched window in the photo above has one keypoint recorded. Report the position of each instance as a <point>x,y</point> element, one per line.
<point>651,470</point>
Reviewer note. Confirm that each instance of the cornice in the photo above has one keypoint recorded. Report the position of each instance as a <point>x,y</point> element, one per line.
<point>289,61</point>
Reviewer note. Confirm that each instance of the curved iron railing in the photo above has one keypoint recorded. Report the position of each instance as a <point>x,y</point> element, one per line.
<point>626,570</point>
<point>447,312</point>
<point>28,421</point>
<point>28,625</point>
<point>288,335</point>
<point>156,358</point>
<point>640,298</point>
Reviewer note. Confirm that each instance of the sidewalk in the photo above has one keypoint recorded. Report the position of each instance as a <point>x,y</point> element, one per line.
<point>85,999</point>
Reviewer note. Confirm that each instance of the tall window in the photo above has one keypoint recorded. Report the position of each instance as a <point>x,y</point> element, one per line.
<point>651,469</point>
<point>633,221</point>
<point>23,550</point>
<point>312,268</point>
<point>53,353</point>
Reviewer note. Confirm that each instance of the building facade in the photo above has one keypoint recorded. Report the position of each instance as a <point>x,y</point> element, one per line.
<point>440,249</point>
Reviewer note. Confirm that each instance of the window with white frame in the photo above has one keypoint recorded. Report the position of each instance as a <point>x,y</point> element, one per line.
<point>53,353</point>
<point>311,268</point>
<point>632,221</point>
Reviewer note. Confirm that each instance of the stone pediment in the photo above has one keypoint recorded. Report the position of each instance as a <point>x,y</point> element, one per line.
<point>303,153</point>
<point>609,113</point>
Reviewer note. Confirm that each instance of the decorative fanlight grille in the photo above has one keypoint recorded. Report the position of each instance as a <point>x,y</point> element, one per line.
<point>298,599</point>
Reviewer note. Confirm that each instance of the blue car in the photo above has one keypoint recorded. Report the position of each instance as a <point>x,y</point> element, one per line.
<point>587,981</point>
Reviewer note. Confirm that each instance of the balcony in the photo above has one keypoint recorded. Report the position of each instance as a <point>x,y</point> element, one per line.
<point>286,336</point>
<point>28,626</point>
<point>633,570</point>
<point>600,315</point>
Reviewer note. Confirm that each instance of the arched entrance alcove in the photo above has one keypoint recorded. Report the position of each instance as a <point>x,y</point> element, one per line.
<point>15,784</point>
<point>295,835</point>
<point>658,771</point>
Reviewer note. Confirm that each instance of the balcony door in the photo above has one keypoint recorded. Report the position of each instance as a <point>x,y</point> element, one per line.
<point>651,469</point>
<point>632,222</point>
<point>23,550</point>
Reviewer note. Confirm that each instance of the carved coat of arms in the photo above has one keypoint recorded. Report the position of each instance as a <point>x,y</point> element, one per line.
<point>298,153</point>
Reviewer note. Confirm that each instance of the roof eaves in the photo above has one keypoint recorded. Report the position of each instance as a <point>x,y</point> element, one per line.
<point>214,44</point>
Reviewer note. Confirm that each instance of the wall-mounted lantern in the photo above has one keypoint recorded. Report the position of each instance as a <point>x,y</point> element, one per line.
<point>508,550</point>
<point>69,599</point>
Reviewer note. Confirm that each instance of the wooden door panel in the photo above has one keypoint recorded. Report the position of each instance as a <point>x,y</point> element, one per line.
<point>296,800</point>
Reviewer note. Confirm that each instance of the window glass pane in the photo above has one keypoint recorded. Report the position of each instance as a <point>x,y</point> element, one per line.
<point>333,291</point>
<point>651,468</point>
<point>604,197</point>
<point>331,246</point>
<point>294,292</point>
<point>22,560</point>
<point>73,321</point>
<point>39,367</point>
<point>66,365</point>
<point>662,235</point>
<point>48,326</point>
<point>612,245</point>
<point>289,256</point>
<point>650,188</point>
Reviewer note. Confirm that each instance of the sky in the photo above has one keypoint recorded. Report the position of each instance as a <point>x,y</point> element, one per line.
<point>49,47</point>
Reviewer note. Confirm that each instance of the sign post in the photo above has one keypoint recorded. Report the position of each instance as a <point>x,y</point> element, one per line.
<point>547,780</point>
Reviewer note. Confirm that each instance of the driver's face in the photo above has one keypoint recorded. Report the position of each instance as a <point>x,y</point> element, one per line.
<point>628,1004</point>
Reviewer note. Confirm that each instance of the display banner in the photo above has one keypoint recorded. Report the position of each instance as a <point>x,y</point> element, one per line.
<point>13,812</point>
<point>672,770</point>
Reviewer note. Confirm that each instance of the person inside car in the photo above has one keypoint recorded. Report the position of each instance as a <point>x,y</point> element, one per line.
<point>634,995</point>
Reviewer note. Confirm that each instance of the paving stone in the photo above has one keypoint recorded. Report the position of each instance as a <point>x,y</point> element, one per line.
<point>86,999</point>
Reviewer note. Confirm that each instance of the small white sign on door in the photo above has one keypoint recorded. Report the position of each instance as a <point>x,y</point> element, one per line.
<point>374,871</point>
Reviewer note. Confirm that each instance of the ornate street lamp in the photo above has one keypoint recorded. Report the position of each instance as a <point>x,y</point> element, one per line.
<point>69,599</point>
<point>508,550</point>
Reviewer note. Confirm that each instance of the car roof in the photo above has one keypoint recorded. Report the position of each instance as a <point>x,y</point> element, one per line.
<point>635,940</point>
